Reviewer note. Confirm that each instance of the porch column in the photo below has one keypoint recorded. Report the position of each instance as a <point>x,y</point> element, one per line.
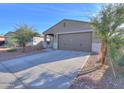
<point>45,38</point>
<point>45,41</point>
<point>55,43</point>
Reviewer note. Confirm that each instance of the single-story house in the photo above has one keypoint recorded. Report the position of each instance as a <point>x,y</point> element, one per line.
<point>10,42</point>
<point>69,35</point>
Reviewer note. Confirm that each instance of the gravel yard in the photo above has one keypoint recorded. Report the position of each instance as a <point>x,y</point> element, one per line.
<point>4,55</point>
<point>102,78</point>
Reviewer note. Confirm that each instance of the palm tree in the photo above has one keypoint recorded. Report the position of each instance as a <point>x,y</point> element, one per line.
<point>107,25</point>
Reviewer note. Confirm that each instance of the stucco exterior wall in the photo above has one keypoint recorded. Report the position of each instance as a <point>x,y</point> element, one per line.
<point>67,26</point>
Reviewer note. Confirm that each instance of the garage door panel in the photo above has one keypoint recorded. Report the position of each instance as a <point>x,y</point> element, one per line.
<point>75,41</point>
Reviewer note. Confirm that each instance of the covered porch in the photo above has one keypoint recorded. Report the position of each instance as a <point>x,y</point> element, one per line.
<point>51,41</point>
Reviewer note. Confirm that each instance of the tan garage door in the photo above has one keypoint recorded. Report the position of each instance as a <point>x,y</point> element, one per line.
<point>76,41</point>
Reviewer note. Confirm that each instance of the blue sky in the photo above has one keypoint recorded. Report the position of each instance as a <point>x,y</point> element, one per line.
<point>42,16</point>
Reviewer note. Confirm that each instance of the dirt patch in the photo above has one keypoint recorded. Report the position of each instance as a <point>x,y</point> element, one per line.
<point>91,65</point>
<point>101,78</point>
<point>4,55</point>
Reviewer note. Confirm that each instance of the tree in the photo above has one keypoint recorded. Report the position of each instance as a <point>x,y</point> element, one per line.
<point>24,34</point>
<point>107,25</point>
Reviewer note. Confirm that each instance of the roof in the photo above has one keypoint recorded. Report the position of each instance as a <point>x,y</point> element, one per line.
<point>1,36</point>
<point>76,20</point>
<point>67,20</point>
<point>10,33</point>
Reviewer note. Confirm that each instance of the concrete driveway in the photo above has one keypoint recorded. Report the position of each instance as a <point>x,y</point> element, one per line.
<point>53,69</point>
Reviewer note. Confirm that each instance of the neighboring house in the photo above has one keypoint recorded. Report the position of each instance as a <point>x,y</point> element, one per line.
<point>10,34</point>
<point>69,35</point>
<point>2,40</point>
<point>38,39</point>
<point>10,41</point>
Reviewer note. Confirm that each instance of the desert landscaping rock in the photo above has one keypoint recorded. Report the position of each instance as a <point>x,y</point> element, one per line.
<point>101,78</point>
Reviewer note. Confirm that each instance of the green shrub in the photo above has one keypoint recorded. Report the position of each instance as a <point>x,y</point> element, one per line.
<point>5,46</point>
<point>12,50</point>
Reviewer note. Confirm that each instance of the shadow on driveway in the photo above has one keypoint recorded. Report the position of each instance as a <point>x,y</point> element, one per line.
<point>44,81</point>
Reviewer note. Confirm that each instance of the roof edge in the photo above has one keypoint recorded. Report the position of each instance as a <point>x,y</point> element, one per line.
<point>77,20</point>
